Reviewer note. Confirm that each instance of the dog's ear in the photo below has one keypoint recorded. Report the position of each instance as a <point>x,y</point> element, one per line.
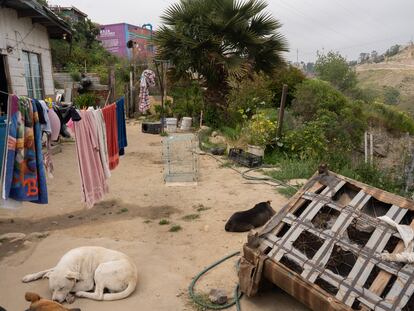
<point>32,297</point>
<point>73,275</point>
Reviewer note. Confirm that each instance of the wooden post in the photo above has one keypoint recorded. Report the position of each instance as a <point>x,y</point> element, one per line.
<point>282,111</point>
<point>371,149</point>
<point>112,86</point>
<point>366,147</point>
<point>131,96</point>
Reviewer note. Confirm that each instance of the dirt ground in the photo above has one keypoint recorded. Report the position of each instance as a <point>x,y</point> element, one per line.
<point>128,220</point>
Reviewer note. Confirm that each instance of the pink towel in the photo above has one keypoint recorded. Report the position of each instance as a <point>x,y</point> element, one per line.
<point>93,181</point>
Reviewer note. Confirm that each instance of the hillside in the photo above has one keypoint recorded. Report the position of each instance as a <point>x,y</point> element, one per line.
<point>396,71</point>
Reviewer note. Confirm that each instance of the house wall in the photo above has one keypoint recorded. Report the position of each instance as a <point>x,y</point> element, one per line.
<point>23,35</point>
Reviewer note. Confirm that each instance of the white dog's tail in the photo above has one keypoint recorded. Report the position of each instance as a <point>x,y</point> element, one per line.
<point>121,295</point>
<point>36,276</point>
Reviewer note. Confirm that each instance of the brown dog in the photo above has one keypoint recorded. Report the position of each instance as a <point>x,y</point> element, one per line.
<point>40,304</point>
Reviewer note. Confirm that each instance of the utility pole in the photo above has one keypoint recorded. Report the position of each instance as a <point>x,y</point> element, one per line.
<point>282,111</point>
<point>297,56</point>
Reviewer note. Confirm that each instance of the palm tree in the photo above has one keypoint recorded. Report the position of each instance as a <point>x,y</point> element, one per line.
<point>215,40</point>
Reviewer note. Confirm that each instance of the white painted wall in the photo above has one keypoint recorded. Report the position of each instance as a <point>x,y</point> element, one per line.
<point>21,34</point>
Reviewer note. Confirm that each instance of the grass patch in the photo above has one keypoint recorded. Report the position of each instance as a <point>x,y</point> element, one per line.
<point>293,169</point>
<point>288,192</point>
<point>191,217</point>
<point>164,134</point>
<point>175,228</point>
<point>202,297</point>
<point>202,208</point>
<point>226,164</point>
<point>122,210</point>
<point>164,222</point>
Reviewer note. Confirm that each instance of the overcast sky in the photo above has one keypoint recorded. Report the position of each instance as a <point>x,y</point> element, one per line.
<point>350,26</point>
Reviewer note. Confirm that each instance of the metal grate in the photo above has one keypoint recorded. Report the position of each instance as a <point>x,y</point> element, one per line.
<point>332,238</point>
<point>180,158</point>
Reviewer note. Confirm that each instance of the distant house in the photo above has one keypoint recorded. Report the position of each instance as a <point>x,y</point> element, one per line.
<point>115,38</point>
<point>25,56</point>
<point>71,14</point>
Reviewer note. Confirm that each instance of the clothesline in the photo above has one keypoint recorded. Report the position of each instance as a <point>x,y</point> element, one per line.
<point>100,141</point>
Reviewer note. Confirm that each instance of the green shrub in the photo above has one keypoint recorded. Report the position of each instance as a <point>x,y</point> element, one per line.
<point>391,95</point>
<point>85,100</point>
<point>292,77</point>
<point>188,100</point>
<point>389,117</point>
<point>260,130</point>
<point>248,95</point>
<point>76,76</point>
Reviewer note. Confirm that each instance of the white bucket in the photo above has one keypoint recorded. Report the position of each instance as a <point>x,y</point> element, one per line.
<point>186,123</point>
<point>171,125</point>
<point>256,150</point>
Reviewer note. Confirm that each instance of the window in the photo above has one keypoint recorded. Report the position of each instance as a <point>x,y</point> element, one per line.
<point>33,74</point>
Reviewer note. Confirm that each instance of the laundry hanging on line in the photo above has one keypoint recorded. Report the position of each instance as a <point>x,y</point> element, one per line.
<point>24,177</point>
<point>147,81</point>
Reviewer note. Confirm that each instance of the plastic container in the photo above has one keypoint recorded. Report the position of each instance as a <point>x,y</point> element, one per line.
<point>151,127</point>
<point>171,125</point>
<point>256,150</point>
<point>245,158</point>
<point>186,123</point>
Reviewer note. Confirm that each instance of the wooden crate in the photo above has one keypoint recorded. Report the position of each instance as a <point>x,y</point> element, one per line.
<point>328,240</point>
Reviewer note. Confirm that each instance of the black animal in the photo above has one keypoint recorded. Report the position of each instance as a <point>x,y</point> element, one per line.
<point>252,218</point>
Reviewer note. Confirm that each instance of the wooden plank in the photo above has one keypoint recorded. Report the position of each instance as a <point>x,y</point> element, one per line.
<point>294,203</point>
<point>310,295</point>
<point>383,277</point>
<point>401,290</point>
<point>380,195</point>
<point>376,242</point>
<point>341,224</point>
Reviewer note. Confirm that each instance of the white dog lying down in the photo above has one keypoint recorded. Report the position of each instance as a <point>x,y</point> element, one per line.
<point>86,268</point>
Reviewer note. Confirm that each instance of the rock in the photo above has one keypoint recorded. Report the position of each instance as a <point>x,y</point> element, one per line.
<point>12,237</point>
<point>206,228</point>
<point>218,296</point>
<point>27,243</point>
<point>214,134</point>
<point>55,223</point>
<point>217,140</point>
<point>71,216</point>
<point>37,235</point>
<point>381,150</point>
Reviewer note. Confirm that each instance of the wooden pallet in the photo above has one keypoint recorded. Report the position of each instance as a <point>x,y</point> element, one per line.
<point>328,239</point>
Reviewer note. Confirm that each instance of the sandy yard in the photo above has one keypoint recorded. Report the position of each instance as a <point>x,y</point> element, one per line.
<point>128,220</point>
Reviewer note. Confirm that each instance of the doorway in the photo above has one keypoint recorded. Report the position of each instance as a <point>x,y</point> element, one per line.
<point>4,86</point>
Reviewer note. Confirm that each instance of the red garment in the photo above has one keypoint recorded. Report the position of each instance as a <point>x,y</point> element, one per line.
<point>109,114</point>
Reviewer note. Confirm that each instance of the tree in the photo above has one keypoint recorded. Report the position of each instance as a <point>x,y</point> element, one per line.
<point>334,68</point>
<point>215,40</point>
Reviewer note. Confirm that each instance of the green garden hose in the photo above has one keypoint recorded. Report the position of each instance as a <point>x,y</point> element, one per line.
<point>237,293</point>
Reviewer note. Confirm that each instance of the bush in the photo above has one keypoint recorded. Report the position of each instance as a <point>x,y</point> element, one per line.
<point>260,131</point>
<point>391,95</point>
<point>188,100</point>
<point>390,117</point>
<point>85,100</point>
<point>313,95</point>
<point>76,76</point>
<point>291,76</point>
<point>335,69</point>
<point>248,95</point>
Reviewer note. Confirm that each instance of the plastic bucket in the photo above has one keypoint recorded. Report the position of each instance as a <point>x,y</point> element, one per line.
<point>171,125</point>
<point>186,123</point>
